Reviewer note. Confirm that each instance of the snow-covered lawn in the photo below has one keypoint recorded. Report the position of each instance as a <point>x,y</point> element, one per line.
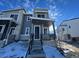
<point>16,49</point>
<point>52,52</point>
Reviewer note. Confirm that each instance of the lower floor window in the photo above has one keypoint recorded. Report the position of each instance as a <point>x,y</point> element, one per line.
<point>45,30</point>
<point>27,31</point>
<point>12,30</point>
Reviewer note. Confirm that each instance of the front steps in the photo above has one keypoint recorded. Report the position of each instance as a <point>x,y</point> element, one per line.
<point>36,51</point>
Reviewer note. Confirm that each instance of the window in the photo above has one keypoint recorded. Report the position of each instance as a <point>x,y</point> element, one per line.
<point>45,31</point>
<point>12,30</point>
<point>69,26</point>
<point>15,16</point>
<point>1,28</point>
<point>27,31</point>
<point>63,29</point>
<point>28,19</point>
<point>41,16</point>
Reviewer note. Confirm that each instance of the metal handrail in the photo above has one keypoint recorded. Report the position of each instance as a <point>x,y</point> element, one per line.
<point>30,45</point>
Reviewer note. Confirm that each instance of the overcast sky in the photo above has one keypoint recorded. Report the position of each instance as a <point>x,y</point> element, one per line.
<point>58,9</point>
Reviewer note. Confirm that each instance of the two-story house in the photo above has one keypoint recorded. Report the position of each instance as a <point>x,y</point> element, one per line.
<point>25,24</point>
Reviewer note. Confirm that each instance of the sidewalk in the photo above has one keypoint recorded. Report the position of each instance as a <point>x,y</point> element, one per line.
<point>14,50</point>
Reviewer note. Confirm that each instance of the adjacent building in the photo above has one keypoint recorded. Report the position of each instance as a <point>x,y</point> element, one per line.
<point>68,30</point>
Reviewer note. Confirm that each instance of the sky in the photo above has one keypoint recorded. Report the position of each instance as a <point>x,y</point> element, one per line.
<point>59,10</point>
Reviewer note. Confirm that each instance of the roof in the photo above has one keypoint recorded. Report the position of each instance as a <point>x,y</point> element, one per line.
<point>13,10</point>
<point>40,10</point>
<point>40,18</point>
<point>10,19</point>
<point>69,20</point>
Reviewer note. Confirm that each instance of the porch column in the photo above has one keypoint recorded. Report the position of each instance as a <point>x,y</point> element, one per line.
<point>7,33</point>
<point>54,30</point>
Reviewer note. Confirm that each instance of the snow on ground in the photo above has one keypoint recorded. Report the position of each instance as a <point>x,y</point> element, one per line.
<point>16,49</point>
<point>52,52</point>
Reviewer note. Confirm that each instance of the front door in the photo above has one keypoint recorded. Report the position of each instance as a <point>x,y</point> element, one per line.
<point>37,32</point>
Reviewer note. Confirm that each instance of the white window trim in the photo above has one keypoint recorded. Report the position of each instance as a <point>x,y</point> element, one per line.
<point>3,27</point>
<point>42,14</point>
<point>45,28</point>
<point>39,31</point>
<point>28,18</point>
<point>10,30</point>
<point>14,14</point>
<point>26,31</point>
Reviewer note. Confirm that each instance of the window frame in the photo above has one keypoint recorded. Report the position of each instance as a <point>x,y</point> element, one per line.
<point>28,18</point>
<point>28,31</point>
<point>12,31</point>
<point>14,14</point>
<point>41,15</point>
<point>3,27</point>
<point>45,28</point>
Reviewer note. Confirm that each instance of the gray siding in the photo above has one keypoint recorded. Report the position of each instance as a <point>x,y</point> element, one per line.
<point>25,24</point>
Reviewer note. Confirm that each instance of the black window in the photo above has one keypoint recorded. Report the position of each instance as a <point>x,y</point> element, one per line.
<point>28,18</point>
<point>63,29</point>
<point>14,16</point>
<point>69,26</point>
<point>41,16</point>
<point>0,28</point>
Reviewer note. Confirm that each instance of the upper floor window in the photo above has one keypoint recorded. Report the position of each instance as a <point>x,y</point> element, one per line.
<point>15,16</point>
<point>12,30</point>
<point>41,16</point>
<point>63,29</point>
<point>45,30</point>
<point>27,31</point>
<point>69,26</point>
<point>28,18</point>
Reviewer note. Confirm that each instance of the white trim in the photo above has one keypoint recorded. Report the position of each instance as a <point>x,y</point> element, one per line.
<point>3,27</point>
<point>10,30</point>
<point>45,28</point>
<point>40,18</point>
<point>14,14</point>
<point>26,31</point>
<point>28,18</point>
<point>39,31</point>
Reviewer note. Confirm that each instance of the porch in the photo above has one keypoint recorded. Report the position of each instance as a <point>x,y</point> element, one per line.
<point>6,29</point>
<point>40,28</point>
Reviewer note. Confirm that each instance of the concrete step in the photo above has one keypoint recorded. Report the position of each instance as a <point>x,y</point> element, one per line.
<point>36,56</point>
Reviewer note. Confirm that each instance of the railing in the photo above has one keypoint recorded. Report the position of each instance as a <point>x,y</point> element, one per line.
<point>30,45</point>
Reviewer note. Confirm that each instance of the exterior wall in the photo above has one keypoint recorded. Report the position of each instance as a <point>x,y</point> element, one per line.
<point>7,14</point>
<point>18,28</point>
<point>44,13</point>
<point>26,23</point>
<point>73,30</point>
<point>41,11</point>
<point>45,37</point>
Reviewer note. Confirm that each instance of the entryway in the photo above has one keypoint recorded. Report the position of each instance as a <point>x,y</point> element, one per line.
<point>36,32</point>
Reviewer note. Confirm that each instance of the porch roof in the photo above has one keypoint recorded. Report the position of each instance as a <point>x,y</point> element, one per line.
<point>43,21</point>
<point>40,18</point>
<point>9,19</point>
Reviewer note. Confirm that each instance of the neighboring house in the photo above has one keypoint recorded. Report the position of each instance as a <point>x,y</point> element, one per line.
<point>11,16</point>
<point>69,30</point>
<point>36,24</point>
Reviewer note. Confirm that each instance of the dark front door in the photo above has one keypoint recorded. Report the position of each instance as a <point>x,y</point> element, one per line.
<point>36,32</point>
